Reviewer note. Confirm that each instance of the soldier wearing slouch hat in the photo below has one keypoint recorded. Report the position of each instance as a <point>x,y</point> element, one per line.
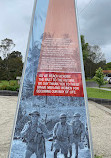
<point>35,133</point>
<point>78,131</point>
<point>61,134</point>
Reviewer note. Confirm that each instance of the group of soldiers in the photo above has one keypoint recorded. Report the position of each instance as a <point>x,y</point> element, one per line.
<point>64,136</point>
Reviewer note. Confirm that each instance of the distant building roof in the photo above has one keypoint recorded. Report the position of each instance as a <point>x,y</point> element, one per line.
<point>107,71</point>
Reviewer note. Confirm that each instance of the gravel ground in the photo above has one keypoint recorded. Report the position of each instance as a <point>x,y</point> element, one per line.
<point>100,125</point>
<point>100,118</point>
<point>7,112</point>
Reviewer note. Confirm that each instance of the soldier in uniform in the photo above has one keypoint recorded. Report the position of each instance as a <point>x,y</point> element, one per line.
<point>35,134</point>
<point>62,136</point>
<point>21,120</point>
<point>78,131</point>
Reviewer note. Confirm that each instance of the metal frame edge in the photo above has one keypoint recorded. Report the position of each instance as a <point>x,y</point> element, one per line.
<point>83,80</point>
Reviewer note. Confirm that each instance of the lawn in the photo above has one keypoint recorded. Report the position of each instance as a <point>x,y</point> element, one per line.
<point>97,156</point>
<point>90,80</point>
<point>9,85</point>
<point>92,92</point>
<point>98,93</point>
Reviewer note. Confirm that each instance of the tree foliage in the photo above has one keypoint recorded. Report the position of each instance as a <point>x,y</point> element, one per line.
<point>10,61</point>
<point>85,48</point>
<point>6,47</point>
<point>93,58</point>
<point>99,77</point>
<point>11,66</point>
<point>107,66</point>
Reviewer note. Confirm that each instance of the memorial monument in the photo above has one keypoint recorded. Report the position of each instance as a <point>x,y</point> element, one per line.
<point>52,119</point>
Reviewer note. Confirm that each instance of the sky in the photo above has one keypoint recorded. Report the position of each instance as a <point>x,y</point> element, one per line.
<point>94,23</point>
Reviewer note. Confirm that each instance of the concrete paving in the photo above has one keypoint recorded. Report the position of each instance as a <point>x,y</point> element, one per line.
<point>106,89</point>
<point>94,84</point>
<point>100,118</point>
<point>7,112</point>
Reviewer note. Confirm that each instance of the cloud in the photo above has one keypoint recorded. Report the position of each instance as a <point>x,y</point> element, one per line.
<point>94,21</point>
<point>15,19</point>
<point>95,24</point>
<point>107,48</point>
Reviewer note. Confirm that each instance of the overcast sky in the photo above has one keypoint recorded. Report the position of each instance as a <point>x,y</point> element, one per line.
<point>94,22</point>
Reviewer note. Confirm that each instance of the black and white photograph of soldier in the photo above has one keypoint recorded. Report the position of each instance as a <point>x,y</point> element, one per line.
<point>35,134</point>
<point>54,129</point>
<point>62,134</point>
<point>78,132</point>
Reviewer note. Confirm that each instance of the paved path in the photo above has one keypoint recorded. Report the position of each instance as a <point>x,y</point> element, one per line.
<point>94,84</point>
<point>100,123</point>
<point>101,129</point>
<point>7,112</point>
<point>106,89</point>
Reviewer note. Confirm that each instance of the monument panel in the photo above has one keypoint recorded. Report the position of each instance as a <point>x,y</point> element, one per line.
<point>52,118</point>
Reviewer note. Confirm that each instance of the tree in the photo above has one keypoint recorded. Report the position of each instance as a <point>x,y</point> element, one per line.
<point>97,59</point>
<point>15,54</point>
<point>15,64</point>
<point>107,66</point>
<point>1,65</point>
<point>99,77</point>
<point>95,54</point>
<point>93,58</point>
<point>11,67</point>
<point>6,47</point>
<point>85,48</point>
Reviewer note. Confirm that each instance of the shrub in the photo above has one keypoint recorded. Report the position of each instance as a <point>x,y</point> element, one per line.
<point>8,87</point>
<point>13,83</point>
<point>99,77</point>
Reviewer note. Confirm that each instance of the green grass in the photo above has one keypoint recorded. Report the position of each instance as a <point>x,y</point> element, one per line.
<point>90,80</point>
<point>98,93</point>
<point>106,87</point>
<point>5,82</point>
<point>9,85</point>
<point>97,156</point>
